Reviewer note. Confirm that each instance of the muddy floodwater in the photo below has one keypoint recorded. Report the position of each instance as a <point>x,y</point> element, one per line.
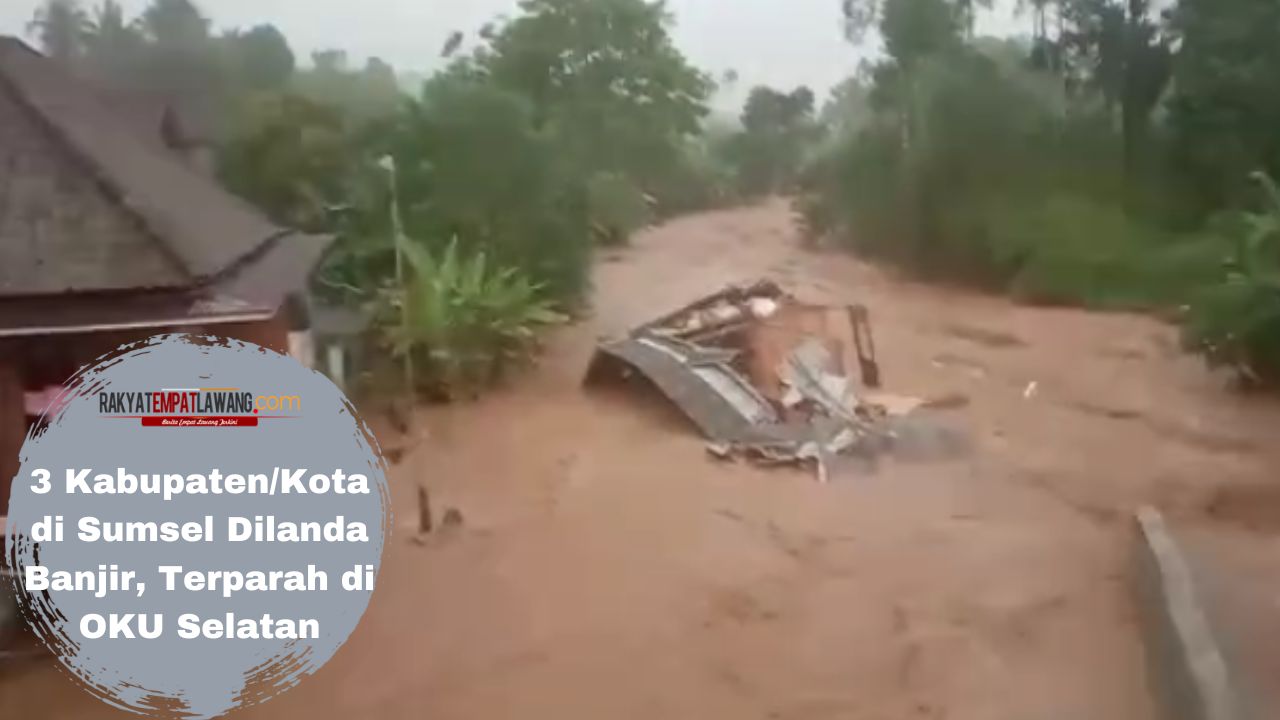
<point>608,569</point>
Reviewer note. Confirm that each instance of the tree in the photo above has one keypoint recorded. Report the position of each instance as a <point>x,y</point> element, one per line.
<point>776,126</point>
<point>452,43</point>
<point>915,29</point>
<point>605,77</point>
<point>848,108</point>
<point>967,14</point>
<point>364,95</point>
<point>1225,106</point>
<point>472,165</point>
<point>379,79</point>
<point>1120,51</point>
<point>912,31</point>
<point>768,110</point>
<point>61,27</point>
<point>1147,68</point>
<point>289,156</point>
<point>113,45</point>
<point>180,60</point>
<point>329,61</point>
<point>861,16</point>
<point>260,59</point>
<point>174,23</point>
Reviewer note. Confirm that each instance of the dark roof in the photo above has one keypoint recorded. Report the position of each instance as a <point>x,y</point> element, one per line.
<point>102,225</point>
<point>153,220</point>
<point>255,290</point>
<point>59,228</point>
<point>169,120</point>
<point>144,112</point>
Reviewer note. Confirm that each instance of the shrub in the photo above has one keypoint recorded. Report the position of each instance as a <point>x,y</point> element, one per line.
<point>1071,250</point>
<point>1236,324</point>
<point>1236,321</point>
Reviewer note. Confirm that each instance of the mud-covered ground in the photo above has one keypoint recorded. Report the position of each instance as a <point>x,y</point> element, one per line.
<point>609,569</point>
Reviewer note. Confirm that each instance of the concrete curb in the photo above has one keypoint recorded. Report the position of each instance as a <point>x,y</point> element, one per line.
<point>1188,675</point>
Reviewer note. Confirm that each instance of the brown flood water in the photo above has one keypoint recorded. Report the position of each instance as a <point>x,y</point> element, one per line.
<point>608,569</point>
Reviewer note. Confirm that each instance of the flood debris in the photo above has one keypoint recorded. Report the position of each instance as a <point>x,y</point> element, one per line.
<point>425,523</point>
<point>450,523</point>
<point>766,378</point>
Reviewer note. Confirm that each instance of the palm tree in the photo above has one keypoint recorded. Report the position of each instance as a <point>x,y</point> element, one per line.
<point>108,23</point>
<point>175,23</point>
<point>61,27</point>
<point>112,44</point>
<point>180,62</point>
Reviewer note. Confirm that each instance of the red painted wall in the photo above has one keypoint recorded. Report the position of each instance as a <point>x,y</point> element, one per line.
<point>13,428</point>
<point>80,349</point>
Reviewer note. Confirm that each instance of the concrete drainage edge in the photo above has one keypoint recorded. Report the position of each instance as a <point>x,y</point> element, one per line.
<point>1188,675</point>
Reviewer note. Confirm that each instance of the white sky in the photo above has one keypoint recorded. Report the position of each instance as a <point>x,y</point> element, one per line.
<point>782,43</point>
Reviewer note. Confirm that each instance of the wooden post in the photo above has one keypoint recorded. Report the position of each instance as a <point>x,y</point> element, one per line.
<point>425,525</point>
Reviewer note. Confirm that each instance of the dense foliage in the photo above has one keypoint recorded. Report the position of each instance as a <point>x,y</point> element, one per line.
<point>604,77</point>
<point>572,123</point>
<point>463,320</point>
<point>1236,320</point>
<point>290,156</point>
<point>776,127</point>
<point>1103,162</point>
<point>1224,104</point>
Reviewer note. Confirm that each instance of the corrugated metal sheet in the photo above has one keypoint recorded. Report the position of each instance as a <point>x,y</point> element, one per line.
<point>716,398</point>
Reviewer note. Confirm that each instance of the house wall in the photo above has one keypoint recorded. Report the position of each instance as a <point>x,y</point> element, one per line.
<point>21,363</point>
<point>13,427</point>
<point>273,333</point>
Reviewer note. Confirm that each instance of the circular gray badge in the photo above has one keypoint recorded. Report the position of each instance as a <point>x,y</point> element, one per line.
<point>197,526</point>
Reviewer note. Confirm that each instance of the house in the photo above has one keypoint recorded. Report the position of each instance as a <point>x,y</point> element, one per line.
<point>112,231</point>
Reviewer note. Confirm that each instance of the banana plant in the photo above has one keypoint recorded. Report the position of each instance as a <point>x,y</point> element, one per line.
<point>465,320</point>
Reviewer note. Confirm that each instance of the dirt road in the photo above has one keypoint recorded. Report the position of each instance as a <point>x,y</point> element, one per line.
<point>608,569</point>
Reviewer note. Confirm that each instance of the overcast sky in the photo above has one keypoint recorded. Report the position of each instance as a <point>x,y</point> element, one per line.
<point>782,43</point>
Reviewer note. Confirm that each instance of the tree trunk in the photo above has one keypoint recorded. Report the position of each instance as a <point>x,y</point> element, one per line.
<point>1132,119</point>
